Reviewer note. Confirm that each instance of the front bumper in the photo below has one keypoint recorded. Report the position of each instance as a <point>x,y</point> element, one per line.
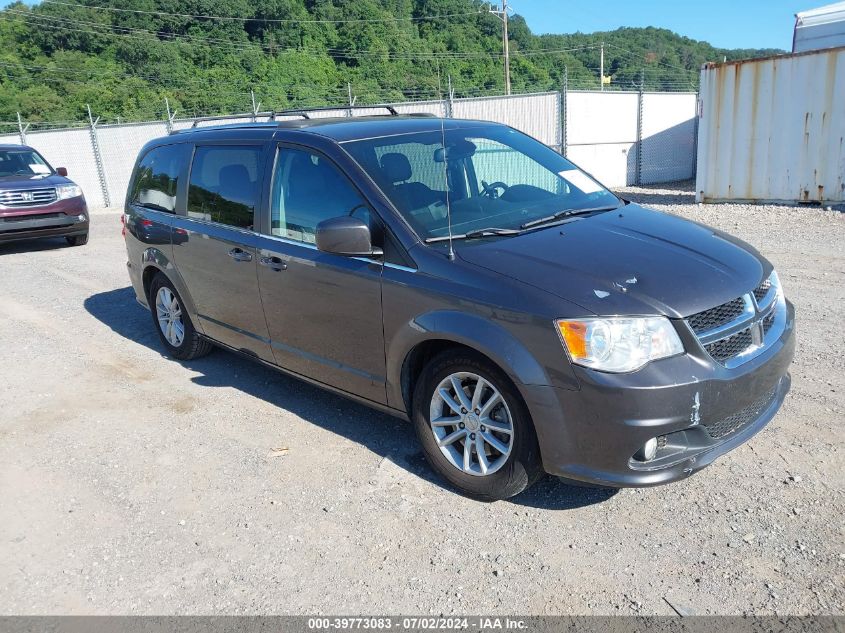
<point>59,219</point>
<point>593,433</point>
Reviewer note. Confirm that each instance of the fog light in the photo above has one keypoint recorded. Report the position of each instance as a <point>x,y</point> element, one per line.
<point>648,451</point>
<point>81,217</point>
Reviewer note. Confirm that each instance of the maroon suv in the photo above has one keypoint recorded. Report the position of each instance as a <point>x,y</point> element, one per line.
<point>38,201</point>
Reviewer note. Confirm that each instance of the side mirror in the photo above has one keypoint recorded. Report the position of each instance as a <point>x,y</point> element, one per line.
<point>346,235</point>
<point>62,171</point>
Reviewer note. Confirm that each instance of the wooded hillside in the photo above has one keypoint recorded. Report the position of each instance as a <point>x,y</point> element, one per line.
<point>205,56</point>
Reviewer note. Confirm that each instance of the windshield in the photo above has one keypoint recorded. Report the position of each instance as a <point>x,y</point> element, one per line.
<point>22,162</point>
<point>492,176</point>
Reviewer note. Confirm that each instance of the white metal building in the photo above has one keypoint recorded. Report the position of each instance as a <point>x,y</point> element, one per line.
<point>819,28</point>
<point>773,129</point>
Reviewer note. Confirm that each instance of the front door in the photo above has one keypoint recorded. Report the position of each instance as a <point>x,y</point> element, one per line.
<point>215,246</point>
<point>323,311</point>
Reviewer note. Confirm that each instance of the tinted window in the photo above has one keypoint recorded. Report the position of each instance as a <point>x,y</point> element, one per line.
<point>158,176</point>
<point>494,177</point>
<point>224,184</point>
<point>22,162</point>
<point>307,189</point>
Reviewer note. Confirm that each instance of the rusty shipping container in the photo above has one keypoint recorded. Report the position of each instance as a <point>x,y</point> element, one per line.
<point>773,129</point>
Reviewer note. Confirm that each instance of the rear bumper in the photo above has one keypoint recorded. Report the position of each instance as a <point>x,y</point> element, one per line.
<point>593,433</point>
<point>64,218</point>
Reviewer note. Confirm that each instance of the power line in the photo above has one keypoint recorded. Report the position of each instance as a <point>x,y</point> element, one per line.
<point>268,20</point>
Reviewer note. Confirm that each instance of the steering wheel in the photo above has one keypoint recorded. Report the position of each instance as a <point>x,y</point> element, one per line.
<point>489,190</point>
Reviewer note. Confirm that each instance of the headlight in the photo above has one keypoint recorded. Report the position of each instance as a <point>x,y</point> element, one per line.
<point>63,192</point>
<point>619,344</point>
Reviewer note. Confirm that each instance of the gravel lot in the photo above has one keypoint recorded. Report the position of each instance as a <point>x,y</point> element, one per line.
<point>131,483</point>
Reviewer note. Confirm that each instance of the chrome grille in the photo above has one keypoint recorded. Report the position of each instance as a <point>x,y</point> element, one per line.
<point>736,331</point>
<point>716,317</point>
<point>27,197</point>
<point>730,347</point>
<point>739,420</point>
<point>762,290</point>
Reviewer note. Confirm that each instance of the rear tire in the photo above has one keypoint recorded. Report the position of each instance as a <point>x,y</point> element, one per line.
<point>503,457</point>
<point>77,240</point>
<point>172,322</point>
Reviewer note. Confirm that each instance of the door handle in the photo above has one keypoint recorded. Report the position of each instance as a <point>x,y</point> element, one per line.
<point>240,255</point>
<point>273,263</point>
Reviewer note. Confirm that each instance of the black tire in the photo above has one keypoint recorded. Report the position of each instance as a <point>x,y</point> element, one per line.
<point>522,467</point>
<point>192,345</point>
<point>77,240</point>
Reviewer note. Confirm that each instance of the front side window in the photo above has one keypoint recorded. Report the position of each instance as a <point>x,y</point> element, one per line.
<point>22,162</point>
<point>307,189</point>
<point>158,176</point>
<point>224,184</point>
<point>491,176</point>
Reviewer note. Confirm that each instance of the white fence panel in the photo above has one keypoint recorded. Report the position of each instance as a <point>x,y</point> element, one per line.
<point>119,147</point>
<point>437,108</point>
<point>537,115</point>
<point>71,149</point>
<point>601,133</point>
<point>668,137</point>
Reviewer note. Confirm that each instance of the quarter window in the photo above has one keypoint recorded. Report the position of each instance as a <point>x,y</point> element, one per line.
<point>307,189</point>
<point>224,184</point>
<point>158,177</point>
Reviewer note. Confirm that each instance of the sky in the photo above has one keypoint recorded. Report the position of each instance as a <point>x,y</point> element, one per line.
<point>723,23</point>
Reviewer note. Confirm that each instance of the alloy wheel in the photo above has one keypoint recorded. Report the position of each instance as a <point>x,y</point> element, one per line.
<point>169,316</point>
<point>471,423</point>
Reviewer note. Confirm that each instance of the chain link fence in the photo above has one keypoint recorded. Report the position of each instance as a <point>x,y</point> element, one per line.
<point>622,138</point>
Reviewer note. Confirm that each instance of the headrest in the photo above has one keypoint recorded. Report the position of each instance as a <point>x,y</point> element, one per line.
<point>396,167</point>
<point>233,176</point>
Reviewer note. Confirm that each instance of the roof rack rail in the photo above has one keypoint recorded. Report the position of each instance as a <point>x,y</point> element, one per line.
<point>303,112</point>
<point>224,117</point>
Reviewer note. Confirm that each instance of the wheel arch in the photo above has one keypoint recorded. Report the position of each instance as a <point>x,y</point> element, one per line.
<point>434,333</point>
<point>154,261</point>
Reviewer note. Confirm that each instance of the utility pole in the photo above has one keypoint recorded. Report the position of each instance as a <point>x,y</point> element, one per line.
<point>502,14</point>
<point>601,75</point>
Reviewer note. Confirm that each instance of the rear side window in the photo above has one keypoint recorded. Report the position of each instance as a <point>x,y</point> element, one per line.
<point>224,184</point>
<point>158,177</point>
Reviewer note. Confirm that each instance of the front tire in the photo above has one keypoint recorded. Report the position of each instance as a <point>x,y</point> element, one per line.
<point>474,428</point>
<point>77,240</point>
<point>172,322</point>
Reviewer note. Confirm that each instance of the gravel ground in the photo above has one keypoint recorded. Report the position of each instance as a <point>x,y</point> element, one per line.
<point>131,483</point>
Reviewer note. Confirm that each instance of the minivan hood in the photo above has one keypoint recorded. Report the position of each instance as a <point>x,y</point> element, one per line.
<point>16,182</point>
<point>631,261</point>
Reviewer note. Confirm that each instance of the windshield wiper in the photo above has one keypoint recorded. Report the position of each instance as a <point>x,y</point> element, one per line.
<point>474,234</point>
<point>565,214</point>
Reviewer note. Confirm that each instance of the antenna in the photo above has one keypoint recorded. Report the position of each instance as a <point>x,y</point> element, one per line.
<point>446,180</point>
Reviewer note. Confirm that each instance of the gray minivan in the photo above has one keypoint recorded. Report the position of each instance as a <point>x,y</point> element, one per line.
<point>467,277</point>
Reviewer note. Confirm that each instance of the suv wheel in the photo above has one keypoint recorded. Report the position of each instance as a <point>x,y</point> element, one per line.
<point>474,427</point>
<point>173,324</point>
<point>77,240</point>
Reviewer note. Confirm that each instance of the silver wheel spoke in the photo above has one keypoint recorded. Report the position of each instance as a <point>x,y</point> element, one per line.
<point>467,454</point>
<point>460,393</point>
<point>444,421</point>
<point>449,400</point>
<point>494,399</point>
<point>495,425</point>
<point>482,458</point>
<point>495,443</point>
<point>452,438</point>
<point>476,395</point>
